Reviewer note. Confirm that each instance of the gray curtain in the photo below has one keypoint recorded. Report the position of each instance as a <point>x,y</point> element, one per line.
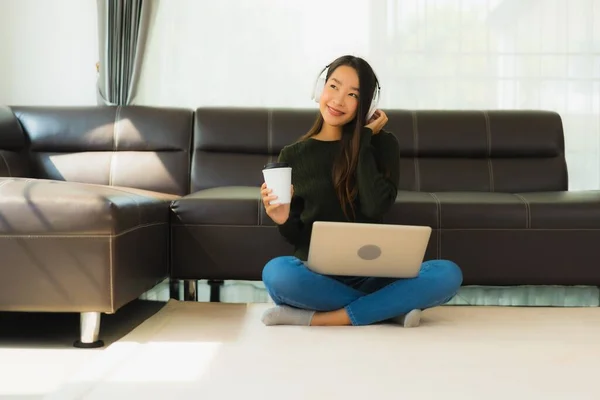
<point>122,31</point>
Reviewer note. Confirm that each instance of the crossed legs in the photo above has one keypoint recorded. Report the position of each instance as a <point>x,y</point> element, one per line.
<point>304,297</point>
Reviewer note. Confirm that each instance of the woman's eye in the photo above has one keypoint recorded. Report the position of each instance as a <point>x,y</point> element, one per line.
<point>354,94</point>
<point>332,86</point>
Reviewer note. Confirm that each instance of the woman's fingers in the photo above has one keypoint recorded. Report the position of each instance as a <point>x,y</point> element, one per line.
<point>268,199</point>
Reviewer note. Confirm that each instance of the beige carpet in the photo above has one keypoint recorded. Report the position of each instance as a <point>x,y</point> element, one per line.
<point>222,351</point>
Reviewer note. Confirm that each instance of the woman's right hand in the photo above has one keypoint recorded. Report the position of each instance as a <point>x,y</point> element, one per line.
<point>279,213</point>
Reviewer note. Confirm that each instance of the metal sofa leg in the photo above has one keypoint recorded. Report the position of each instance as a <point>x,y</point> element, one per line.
<point>190,290</point>
<point>90,328</point>
<point>174,289</point>
<point>215,290</point>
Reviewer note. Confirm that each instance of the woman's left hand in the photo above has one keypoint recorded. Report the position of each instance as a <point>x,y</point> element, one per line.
<point>377,122</point>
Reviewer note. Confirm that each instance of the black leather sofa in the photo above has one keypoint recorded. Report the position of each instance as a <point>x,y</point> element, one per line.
<point>493,185</point>
<point>98,204</point>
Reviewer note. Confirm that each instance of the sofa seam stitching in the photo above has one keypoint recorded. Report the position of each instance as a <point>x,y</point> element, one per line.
<point>488,131</point>
<point>130,230</point>
<point>416,155</point>
<point>190,157</point>
<point>439,230</point>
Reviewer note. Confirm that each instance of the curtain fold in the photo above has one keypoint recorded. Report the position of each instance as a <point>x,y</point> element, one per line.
<point>122,31</point>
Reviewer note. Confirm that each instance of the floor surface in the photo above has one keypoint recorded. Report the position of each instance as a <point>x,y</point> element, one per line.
<point>37,353</point>
<point>223,351</point>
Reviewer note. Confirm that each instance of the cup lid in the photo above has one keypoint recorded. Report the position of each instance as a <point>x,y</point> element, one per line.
<point>276,165</point>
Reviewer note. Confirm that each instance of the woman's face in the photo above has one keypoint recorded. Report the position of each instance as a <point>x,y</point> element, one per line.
<point>339,101</point>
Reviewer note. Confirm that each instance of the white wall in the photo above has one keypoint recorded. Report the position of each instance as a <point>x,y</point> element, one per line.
<point>246,53</point>
<point>48,52</point>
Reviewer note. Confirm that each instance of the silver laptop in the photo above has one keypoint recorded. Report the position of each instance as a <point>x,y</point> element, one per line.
<point>358,249</point>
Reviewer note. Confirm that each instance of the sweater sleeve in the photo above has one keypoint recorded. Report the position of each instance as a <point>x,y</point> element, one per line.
<point>377,172</point>
<point>293,230</point>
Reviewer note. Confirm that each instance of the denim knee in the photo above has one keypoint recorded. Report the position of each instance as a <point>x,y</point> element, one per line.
<point>451,272</point>
<point>278,273</point>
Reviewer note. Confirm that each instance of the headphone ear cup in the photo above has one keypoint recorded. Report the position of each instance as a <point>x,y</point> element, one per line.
<point>374,103</point>
<point>371,111</point>
<point>320,85</point>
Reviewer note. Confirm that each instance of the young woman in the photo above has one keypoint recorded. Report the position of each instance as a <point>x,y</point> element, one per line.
<point>345,169</point>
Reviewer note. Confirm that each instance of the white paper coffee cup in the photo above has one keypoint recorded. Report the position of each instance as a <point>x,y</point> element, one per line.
<point>278,177</point>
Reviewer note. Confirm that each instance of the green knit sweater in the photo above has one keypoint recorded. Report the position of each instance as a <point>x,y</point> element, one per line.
<point>314,194</point>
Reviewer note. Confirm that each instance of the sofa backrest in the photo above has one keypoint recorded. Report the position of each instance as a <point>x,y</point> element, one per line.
<point>504,151</point>
<point>133,146</point>
<point>231,145</point>
<point>13,157</point>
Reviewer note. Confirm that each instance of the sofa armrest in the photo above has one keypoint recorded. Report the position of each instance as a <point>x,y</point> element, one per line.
<point>13,142</point>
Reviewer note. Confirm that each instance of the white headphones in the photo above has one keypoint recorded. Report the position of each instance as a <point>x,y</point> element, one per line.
<point>320,86</point>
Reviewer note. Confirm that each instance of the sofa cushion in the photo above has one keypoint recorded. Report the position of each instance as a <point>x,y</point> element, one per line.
<point>507,239</point>
<point>231,205</point>
<point>223,233</point>
<point>563,210</point>
<point>241,205</point>
<point>459,210</point>
<point>45,207</point>
<point>496,238</point>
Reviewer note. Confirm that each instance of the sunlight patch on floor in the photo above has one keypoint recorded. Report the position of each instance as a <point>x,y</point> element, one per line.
<point>35,371</point>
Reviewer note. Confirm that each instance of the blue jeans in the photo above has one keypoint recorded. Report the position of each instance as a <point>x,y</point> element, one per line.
<point>366,300</point>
